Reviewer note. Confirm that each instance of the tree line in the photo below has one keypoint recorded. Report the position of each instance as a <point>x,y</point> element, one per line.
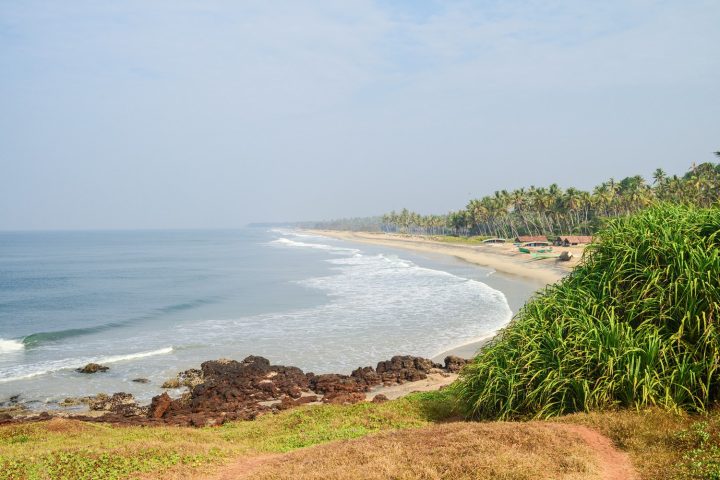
<point>553,211</point>
<point>548,210</point>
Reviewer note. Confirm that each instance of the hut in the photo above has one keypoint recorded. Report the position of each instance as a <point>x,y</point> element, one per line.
<point>531,239</point>
<point>568,240</point>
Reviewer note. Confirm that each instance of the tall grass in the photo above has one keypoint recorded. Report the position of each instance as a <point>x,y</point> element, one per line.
<point>635,325</point>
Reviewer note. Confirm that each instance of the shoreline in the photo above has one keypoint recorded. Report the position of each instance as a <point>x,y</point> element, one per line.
<point>504,259</point>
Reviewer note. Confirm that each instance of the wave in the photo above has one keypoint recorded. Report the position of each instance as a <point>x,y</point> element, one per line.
<point>134,356</point>
<point>286,242</point>
<point>7,346</point>
<point>35,339</point>
<point>46,337</point>
<point>295,233</point>
<point>28,371</point>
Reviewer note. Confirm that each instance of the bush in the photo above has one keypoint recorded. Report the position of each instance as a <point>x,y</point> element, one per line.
<point>634,325</point>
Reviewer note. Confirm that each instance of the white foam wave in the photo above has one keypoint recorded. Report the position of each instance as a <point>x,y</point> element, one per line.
<point>305,235</point>
<point>379,306</point>
<point>135,356</point>
<point>28,371</point>
<point>296,233</point>
<point>286,242</point>
<point>7,346</point>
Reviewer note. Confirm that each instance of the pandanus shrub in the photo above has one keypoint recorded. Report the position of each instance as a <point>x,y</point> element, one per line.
<point>634,325</point>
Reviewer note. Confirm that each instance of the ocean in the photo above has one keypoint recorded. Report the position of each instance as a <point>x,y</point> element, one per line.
<point>148,304</point>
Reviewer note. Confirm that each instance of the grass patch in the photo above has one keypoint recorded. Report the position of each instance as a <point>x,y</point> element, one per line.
<point>635,325</point>
<point>66,449</point>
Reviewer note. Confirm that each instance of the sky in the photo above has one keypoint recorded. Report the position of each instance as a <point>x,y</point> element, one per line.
<point>136,114</point>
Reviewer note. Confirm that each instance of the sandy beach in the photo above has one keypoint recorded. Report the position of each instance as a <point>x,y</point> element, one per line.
<point>500,257</point>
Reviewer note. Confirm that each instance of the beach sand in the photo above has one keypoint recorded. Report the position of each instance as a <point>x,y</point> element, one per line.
<point>434,381</point>
<point>518,277</point>
<point>500,257</point>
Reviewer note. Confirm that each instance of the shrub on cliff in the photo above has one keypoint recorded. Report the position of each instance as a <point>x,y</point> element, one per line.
<point>636,324</point>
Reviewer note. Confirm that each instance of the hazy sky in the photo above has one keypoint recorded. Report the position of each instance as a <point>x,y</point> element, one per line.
<point>154,114</point>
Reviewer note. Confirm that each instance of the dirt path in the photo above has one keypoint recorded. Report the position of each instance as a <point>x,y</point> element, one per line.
<point>242,467</point>
<point>612,463</point>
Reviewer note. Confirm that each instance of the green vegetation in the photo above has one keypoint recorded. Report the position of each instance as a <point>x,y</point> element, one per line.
<point>64,449</point>
<point>634,325</point>
<point>554,211</point>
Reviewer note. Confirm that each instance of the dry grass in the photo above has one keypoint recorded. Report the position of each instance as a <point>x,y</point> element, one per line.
<point>654,439</point>
<point>509,451</point>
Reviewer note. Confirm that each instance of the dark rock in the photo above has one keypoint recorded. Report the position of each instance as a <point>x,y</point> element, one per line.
<point>75,401</point>
<point>191,378</point>
<point>99,402</point>
<point>343,398</point>
<point>334,383</point>
<point>367,375</point>
<point>379,398</point>
<point>454,364</point>
<point>405,368</point>
<point>93,368</point>
<point>565,256</point>
<point>141,380</point>
<point>288,402</point>
<point>227,390</point>
<point>159,405</point>
<point>120,403</point>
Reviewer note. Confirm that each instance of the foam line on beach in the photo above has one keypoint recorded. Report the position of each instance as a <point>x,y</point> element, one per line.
<point>286,242</point>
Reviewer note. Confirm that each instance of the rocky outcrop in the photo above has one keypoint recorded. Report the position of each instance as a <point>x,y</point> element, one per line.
<point>159,406</point>
<point>191,378</point>
<point>223,390</point>
<point>121,403</point>
<point>454,364</point>
<point>401,369</point>
<point>379,398</point>
<point>92,368</point>
<point>76,401</point>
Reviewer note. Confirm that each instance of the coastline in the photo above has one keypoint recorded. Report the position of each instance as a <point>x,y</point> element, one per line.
<point>511,274</point>
<point>504,259</point>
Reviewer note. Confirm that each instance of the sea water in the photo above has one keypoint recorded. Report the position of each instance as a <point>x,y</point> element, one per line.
<point>148,304</point>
